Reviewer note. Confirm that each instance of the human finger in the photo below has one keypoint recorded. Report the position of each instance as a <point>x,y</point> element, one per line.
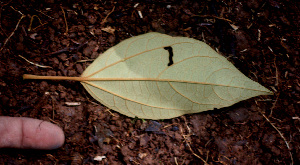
<point>22,132</point>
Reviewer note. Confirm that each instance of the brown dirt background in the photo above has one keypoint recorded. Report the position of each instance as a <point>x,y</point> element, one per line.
<point>260,37</point>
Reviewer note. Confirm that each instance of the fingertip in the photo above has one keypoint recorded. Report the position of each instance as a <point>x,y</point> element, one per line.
<point>21,132</point>
<point>59,140</point>
<point>40,134</point>
<point>56,137</point>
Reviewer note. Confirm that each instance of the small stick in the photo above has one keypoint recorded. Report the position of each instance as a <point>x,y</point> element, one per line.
<point>16,10</point>
<point>12,33</point>
<point>44,14</point>
<point>31,20</point>
<point>67,29</point>
<point>108,110</point>
<point>274,104</point>
<point>175,159</point>
<point>88,60</point>
<point>42,66</point>
<point>187,143</point>
<point>105,19</point>
<point>49,155</point>
<point>204,161</point>
<point>221,18</point>
<point>276,69</point>
<point>59,51</point>
<point>285,141</point>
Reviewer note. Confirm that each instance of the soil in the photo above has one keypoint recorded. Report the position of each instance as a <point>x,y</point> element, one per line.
<point>261,38</point>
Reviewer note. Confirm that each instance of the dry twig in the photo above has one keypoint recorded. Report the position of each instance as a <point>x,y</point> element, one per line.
<point>220,18</point>
<point>108,110</point>
<point>88,60</point>
<point>45,14</point>
<point>12,33</point>
<point>41,66</point>
<point>187,143</point>
<point>65,18</point>
<point>281,135</point>
<point>105,19</point>
<point>31,20</point>
<point>175,159</point>
<point>274,105</point>
<point>52,157</point>
<point>277,77</point>
<point>196,154</point>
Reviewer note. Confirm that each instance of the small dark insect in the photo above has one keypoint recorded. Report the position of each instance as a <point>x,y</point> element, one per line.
<point>170,50</point>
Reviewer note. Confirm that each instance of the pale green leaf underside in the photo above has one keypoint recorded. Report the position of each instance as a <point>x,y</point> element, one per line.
<point>135,79</point>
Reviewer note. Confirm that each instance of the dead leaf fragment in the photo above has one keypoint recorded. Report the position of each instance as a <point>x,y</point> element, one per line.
<point>108,29</point>
<point>142,155</point>
<point>73,103</point>
<point>99,158</point>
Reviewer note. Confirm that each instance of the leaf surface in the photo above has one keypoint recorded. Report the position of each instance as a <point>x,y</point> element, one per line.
<point>156,76</point>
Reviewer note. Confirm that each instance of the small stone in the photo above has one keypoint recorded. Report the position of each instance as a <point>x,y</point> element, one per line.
<point>72,73</point>
<point>55,61</point>
<point>111,39</point>
<point>142,155</point>
<point>178,137</point>
<point>63,57</point>
<point>144,140</point>
<point>20,47</point>
<point>153,126</point>
<point>269,140</point>
<point>44,86</point>
<point>92,19</point>
<point>239,114</point>
<point>174,128</point>
<point>81,28</point>
<point>51,73</point>
<point>113,128</point>
<point>65,42</point>
<point>79,68</point>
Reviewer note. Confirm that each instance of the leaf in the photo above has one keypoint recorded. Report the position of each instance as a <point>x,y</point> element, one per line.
<point>156,76</point>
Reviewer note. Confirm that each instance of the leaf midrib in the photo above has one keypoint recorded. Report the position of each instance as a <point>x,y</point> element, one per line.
<point>85,79</point>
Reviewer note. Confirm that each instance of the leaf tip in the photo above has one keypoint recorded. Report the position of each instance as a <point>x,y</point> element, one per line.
<point>270,92</point>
